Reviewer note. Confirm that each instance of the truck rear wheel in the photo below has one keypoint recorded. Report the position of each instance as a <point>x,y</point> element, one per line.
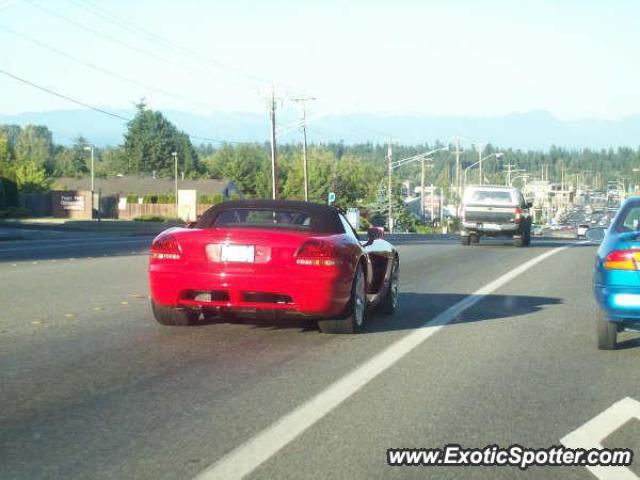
<point>465,239</point>
<point>518,242</point>
<point>474,238</point>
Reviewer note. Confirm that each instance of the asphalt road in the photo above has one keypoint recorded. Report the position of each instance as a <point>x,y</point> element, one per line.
<point>91,387</point>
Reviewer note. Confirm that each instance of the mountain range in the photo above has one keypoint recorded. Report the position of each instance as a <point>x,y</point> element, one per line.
<point>536,130</point>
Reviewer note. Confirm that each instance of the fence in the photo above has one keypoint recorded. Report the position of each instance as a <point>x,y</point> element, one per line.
<point>168,210</point>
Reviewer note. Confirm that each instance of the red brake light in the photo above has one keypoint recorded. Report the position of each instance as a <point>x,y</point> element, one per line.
<point>622,260</point>
<point>317,252</point>
<point>165,247</point>
<point>518,216</point>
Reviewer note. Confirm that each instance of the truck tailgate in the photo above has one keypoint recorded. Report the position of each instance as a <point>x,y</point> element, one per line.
<point>489,214</point>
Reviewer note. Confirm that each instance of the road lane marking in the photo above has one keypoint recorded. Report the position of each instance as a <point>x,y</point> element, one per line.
<point>244,459</point>
<point>591,434</point>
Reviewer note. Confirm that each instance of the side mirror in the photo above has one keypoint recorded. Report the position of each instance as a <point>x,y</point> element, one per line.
<point>595,235</point>
<point>374,233</point>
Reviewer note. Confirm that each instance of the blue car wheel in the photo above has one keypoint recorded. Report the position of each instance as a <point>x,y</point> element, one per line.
<point>607,331</point>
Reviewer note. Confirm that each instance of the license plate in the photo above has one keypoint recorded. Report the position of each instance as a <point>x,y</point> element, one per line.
<point>237,253</point>
<point>491,226</point>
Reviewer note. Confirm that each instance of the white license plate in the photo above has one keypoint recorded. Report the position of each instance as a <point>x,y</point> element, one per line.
<point>237,253</point>
<point>491,226</point>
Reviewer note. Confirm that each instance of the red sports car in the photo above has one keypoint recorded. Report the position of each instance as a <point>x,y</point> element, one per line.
<point>252,257</point>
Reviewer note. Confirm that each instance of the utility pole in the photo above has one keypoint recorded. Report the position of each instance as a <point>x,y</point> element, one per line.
<point>432,206</point>
<point>274,164</point>
<point>175,176</point>
<point>480,149</point>
<point>302,101</point>
<point>389,183</point>
<point>422,191</point>
<point>458,185</point>
<point>509,165</point>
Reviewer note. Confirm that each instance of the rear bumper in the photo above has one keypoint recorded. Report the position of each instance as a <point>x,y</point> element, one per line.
<point>495,228</point>
<point>620,303</point>
<point>319,293</point>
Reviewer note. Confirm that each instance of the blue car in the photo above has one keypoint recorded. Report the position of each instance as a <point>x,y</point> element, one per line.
<point>616,276</point>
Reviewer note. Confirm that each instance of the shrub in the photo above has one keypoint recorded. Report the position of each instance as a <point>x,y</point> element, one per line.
<point>14,212</point>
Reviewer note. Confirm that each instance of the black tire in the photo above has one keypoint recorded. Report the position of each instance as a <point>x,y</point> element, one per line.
<point>474,238</point>
<point>466,240</point>
<point>356,311</point>
<point>180,317</point>
<point>390,302</point>
<point>518,242</point>
<point>607,332</point>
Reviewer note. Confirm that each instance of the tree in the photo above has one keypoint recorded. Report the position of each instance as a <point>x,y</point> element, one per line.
<point>72,162</point>
<point>35,144</point>
<point>31,177</point>
<point>240,164</point>
<point>150,141</point>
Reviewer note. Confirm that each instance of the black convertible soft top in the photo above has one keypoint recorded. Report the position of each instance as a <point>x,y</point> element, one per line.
<point>323,218</point>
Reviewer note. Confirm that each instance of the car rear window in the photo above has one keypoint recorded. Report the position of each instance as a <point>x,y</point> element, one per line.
<point>629,219</point>
<point>490,197</point>
<point>264,218</point>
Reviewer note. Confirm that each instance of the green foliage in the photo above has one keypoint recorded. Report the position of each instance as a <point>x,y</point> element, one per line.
<point>8,193</point>
<point>35,144</point>
<point>210,199</point>
<point>74,161</point>
<point>150,141</point>
<point>155,218</point>
<point>31,177</point>
<point>14,212</point>
<point>241,164</point>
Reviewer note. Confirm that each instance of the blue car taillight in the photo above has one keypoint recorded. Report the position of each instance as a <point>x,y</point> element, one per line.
<point>622,260</point>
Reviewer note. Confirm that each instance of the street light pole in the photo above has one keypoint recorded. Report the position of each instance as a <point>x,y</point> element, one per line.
<point>422,192</point>
<point>175,174</point>
<point>389,183</point>
<point>90,148</point>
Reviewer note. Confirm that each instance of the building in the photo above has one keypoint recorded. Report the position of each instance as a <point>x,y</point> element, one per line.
<point>145,185</point>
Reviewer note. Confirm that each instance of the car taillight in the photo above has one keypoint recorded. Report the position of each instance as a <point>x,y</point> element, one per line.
<point>317,252</point>
<point>165,247</point>
<point>622,260</point>
<point>518,217</point>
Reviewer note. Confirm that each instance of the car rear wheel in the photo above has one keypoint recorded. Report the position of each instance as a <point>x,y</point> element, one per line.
<point>174,316</point>
<point>518,241</point>
<point>474,238</point>
<point>466,240</point>
<point>390,302</point>
<point>356,310</point>
<point>607,332</point>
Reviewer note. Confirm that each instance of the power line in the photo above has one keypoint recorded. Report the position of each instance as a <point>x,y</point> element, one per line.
<point>65,97</point>
<point>118,41</point>
<point>100,69</point>
<point>97,109</point>
<point>140,31</point>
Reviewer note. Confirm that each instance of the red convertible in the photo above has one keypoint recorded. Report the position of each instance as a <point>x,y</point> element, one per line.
<point>273,258</point>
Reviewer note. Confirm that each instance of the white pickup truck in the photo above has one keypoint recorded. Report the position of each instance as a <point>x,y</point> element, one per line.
<point>494,211</point>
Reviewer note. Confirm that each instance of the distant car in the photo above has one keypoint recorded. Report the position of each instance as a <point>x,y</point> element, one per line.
<point>495,211</point>
<point>581,231</point>
<point>272,258</point>
<point>616,276</point>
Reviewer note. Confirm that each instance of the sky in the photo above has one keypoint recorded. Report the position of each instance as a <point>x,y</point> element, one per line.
<point>574,59</point>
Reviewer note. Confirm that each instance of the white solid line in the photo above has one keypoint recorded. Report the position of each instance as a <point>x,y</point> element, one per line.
<point>250,455</point>
<point>591,434</point>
